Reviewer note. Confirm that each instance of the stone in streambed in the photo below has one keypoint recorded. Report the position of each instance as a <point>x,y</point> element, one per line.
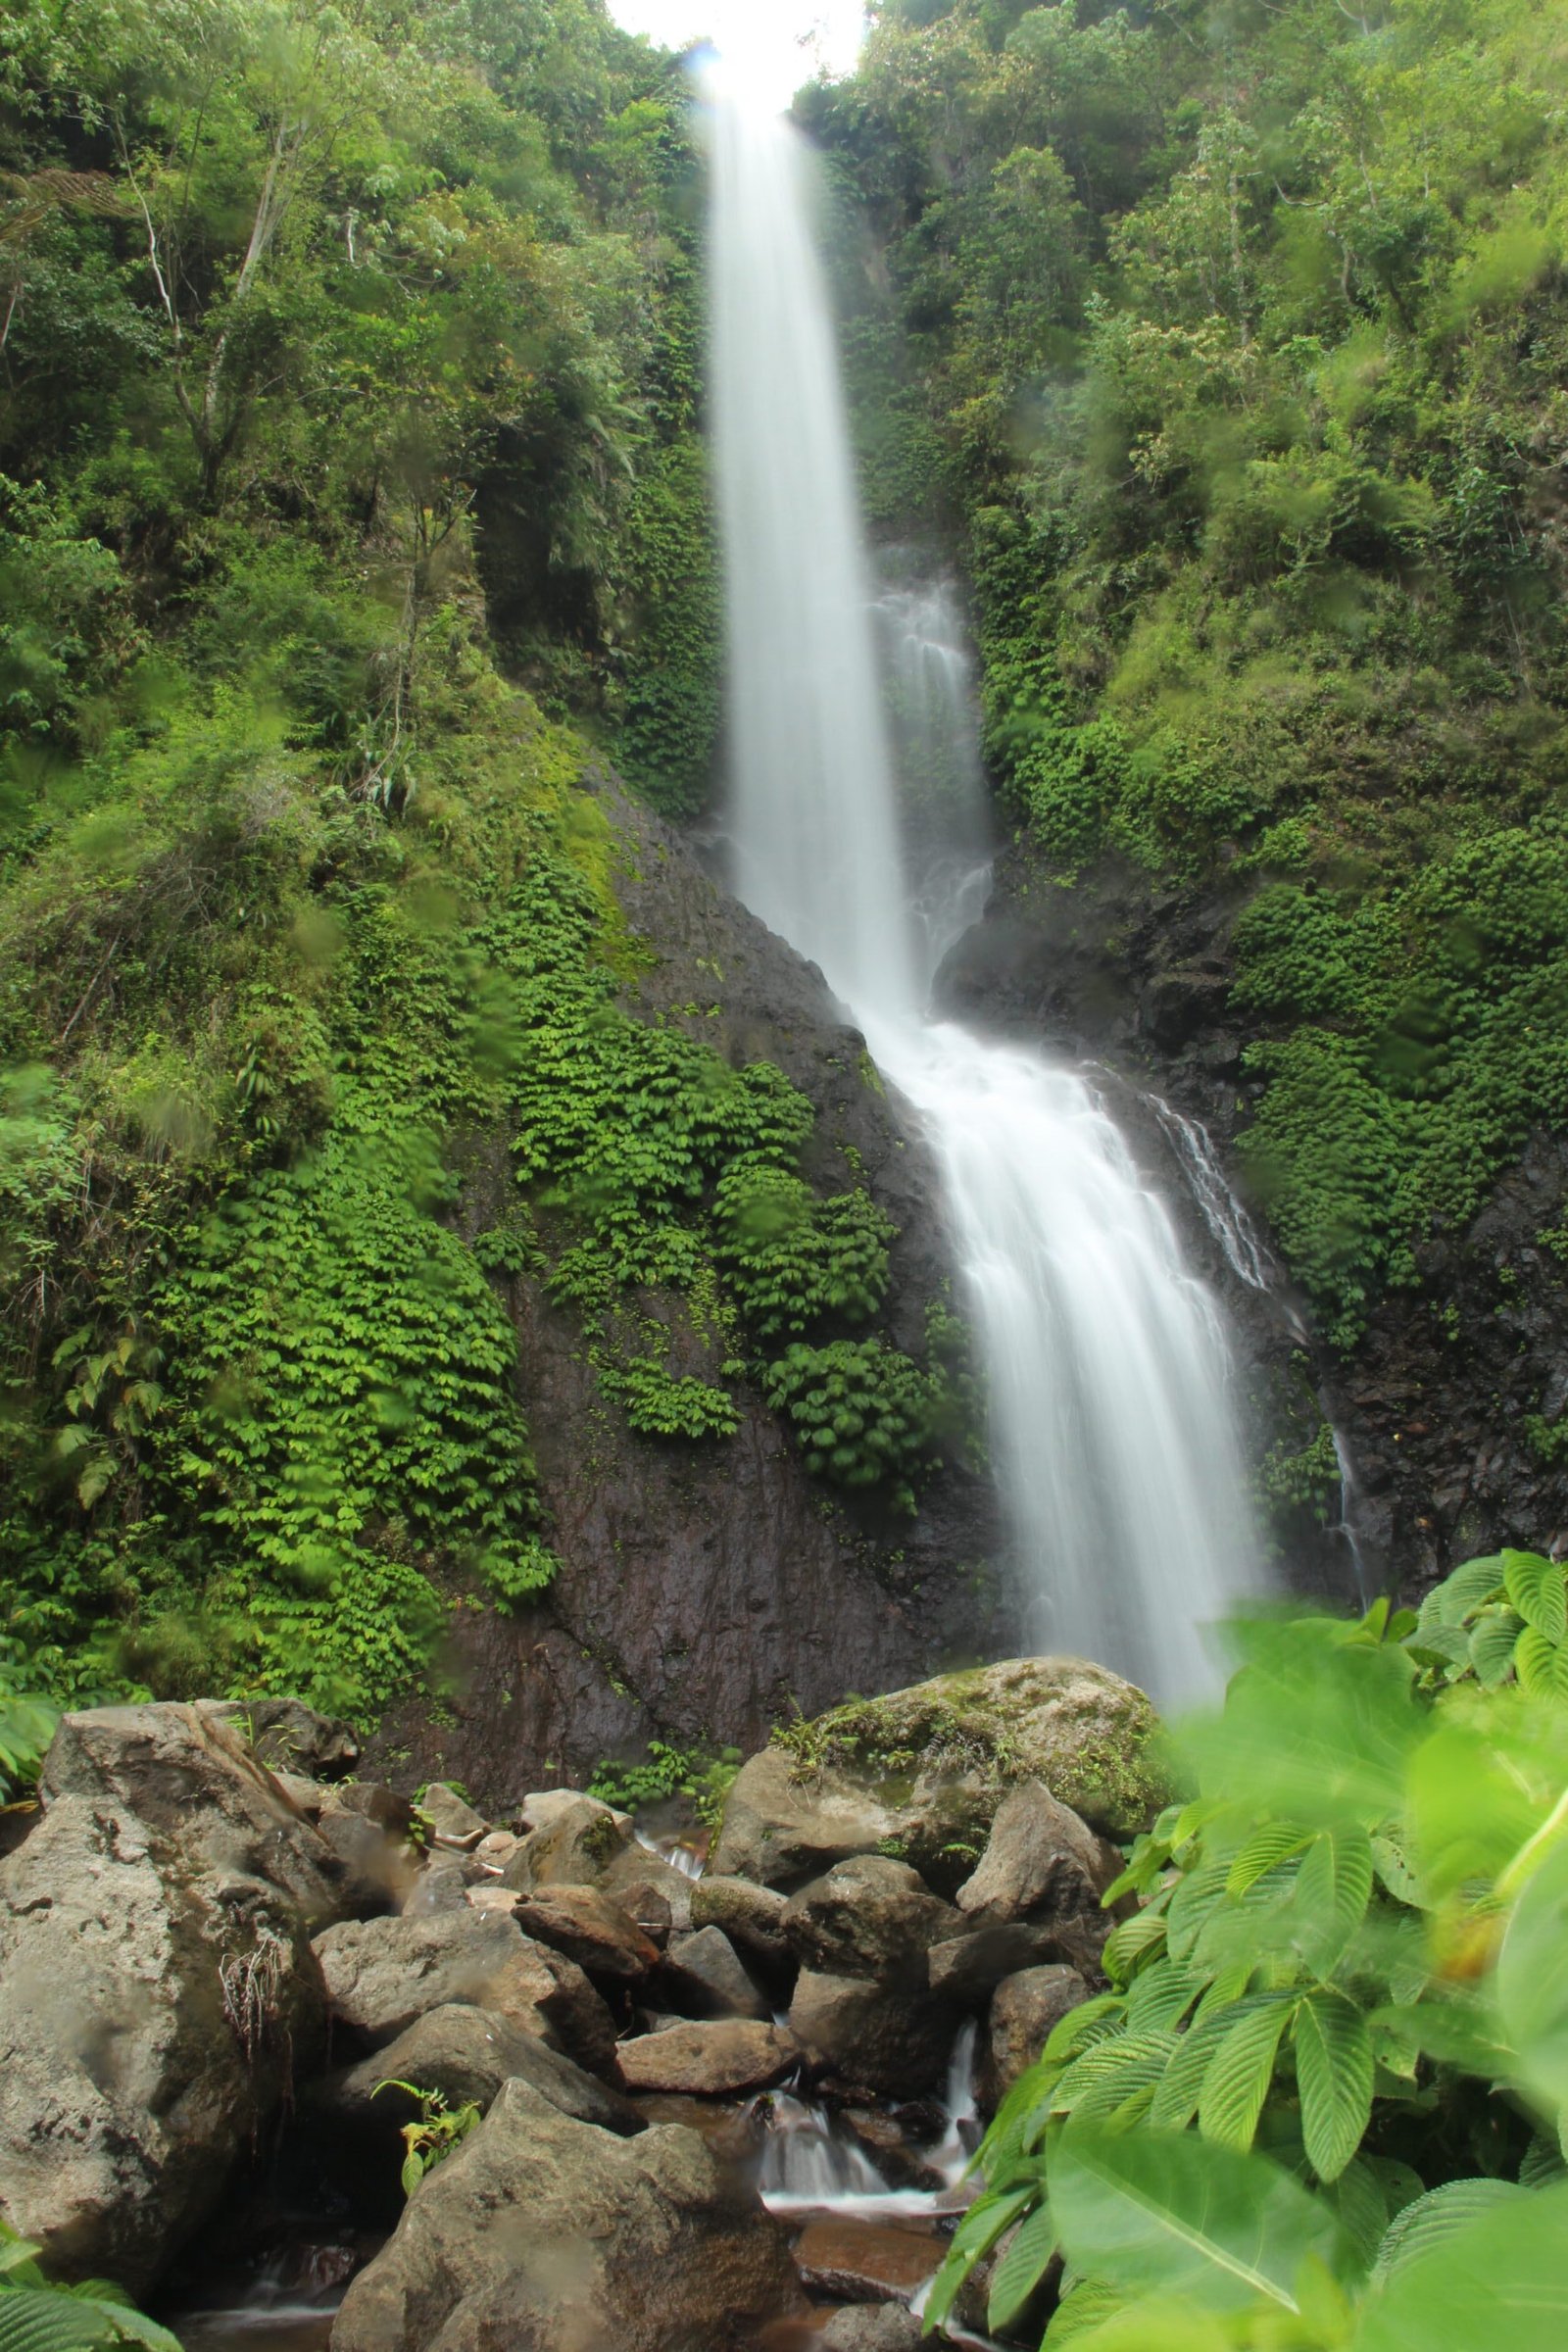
<point>894,2039</point>
<point>382,1974</point>
<point>873,2327</point>
<point>780,1825</point>
<point>158,1984</point>
<point>453,1821</point>
<point>703,1976</point>
<point>539,2234</point>
<point>1041,1863</point>
<point>750,1915</point>
<point>711,2059</point>
<point>1025,2010</point>
<point>546,1994</point>
<point>574,1848</point>
<point>465,2054</point>
<point>635,1872</point>
<point>869,1917</point>
<point>865,2262</point>
<point>589,1928</point>
<point>967,1969</point>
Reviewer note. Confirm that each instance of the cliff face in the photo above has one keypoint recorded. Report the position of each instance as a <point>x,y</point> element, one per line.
<point>1440,1404</point>
<point>705,1589</point>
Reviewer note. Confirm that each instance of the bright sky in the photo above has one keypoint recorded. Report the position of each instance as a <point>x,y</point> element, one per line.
<point>773,44</point>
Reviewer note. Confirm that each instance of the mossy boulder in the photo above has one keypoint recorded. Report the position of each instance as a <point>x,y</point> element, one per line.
<point>919,1773</point>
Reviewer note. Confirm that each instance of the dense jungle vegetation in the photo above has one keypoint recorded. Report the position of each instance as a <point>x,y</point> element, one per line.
<point>351,514</point>
<point>1234,337</point>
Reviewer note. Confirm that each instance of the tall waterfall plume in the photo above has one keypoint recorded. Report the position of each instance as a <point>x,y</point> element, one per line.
<point>1111,1424</point>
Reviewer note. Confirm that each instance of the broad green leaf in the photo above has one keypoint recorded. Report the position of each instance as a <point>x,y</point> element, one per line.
<point>1133,1941</point>
<point>15,2252</point>
<point>1429,2221</point>
<point>1359,2198</point>
<point>1464,1591</point>
<point>1021,2266</point>
<point>1156,2326</point>
<point>1532,1982</point>
<point>1541,1664</point>
<point>1542,2165</point>
<point>1332,1893</point>
<point>978,2231</point>
<point>45,2319</point>
<point>1491,1645</point>
<point>1162,1996</point>
<point>1482,1784</point>
<point>1112,2072</point>
<point>1086,2305</point>
<point>1237,2080</point>
<point>1192,1904</point>
<point>1176,2100</point>
<point>1165,2213</point>
<point>1275,1842</point>
<point>1333,2069</point>
<point>1536,1588</point>
<point>1500,2281</point>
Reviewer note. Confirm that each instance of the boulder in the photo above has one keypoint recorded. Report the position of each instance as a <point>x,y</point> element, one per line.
<point>710,2059</point>
<point>452,1820</point>
<point>704,1977</point>
<point>465,2054</point>
<point>968,1969</point>
<point>439,1887</point>
<point>540,2234</point>
<point>873,2327</point>
<point>499,1901</point>
<point>574,1848</point>
<point>382,1974</point>
<point>589,1928</point>
<point>286,1736</point>
<point>783,1824</point>
<point>1024,2011</point>
<point>1041,1863</point>
<point>546,1805</point>
<point>865,2262</point>
<point>635,1872</point>
<point>496,1849</point>
<point>159,1991</point>
<point>892,2039</point>
<point>546,1994</point>
<point>921,1772</point>
<point>869,1917</point>
<point>751,1916</point>
<point>649,1908</point>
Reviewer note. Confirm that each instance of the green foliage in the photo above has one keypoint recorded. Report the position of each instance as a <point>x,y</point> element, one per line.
<point>1240,334</point>
<point>434,2133</point>
<point>1337,2003</point>
<point>38,2316</point>
<point>702,1777</point>
<point>795,1261</point>
<point>862,1413</point>
<point>26,1727</point>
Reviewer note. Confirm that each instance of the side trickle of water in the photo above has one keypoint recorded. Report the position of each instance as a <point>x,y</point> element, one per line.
<point>1111,1426</point>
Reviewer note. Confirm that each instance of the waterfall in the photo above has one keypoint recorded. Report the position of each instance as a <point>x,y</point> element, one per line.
<point>1112,1425</point>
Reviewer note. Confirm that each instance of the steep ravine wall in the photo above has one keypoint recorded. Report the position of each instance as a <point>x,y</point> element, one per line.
<point>706,1590</point>
<point>1436,1402</point>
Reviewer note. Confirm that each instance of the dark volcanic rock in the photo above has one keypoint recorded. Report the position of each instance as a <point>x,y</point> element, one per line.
<point>869,1917</point>
<point>465,2054</point>
<point>708,1583</point>
<point>704,1976</point>
<point>1024,2011</point>
<point>1041,1863</point>
<point>579,1920</point>
<point>894,2039</point>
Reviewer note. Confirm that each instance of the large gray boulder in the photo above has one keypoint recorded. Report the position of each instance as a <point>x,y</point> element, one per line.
<point>893,2038</point>
<point>160,1991</point>
<point>1041,1863</point>
<point>750,1915</point>
<point>920,1773</point>
<point>465,2054</point>
<point>382,1974</point>
<point>542,2234</point>
<point>869,1917</point>
<point>703,1976</point>
<point>1025,2011</point>
<point>710,2058</point>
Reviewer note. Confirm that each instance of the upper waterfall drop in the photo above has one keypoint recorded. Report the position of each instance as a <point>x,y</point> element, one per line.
<point>1112,1422</point>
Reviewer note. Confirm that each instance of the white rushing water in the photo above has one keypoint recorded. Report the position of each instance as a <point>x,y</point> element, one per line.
<point>1111,1424</point>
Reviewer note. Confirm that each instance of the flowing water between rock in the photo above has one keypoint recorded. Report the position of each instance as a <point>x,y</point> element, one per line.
<point>1109,1378</point>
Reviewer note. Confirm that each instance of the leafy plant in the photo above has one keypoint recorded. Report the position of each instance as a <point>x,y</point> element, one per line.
<point>435,2131</point>
<point>38,2315</point>
<point>1336,1989</point>
<point>862,1413</point>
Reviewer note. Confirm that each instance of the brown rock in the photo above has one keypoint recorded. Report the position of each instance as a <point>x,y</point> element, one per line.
<point>574,1848</point>
<point>382,1974</point>
<point>894,2039</point>
<point>1041,1863</point>
<point>635,1873</point>
<point>780,1824</point>
<point>703,1977</point>
<point>540,2234</point>
<point>967,1969</point>
<point>546,1993</point>
<point>751,1916</point>
<point>1025,2009</point>
<point>465,2054</point>
<point>865,2262</point>
<point>869,1917</point>
<point>713,2060</point>
<point>453,1820</point>
<point>589,1928</point>
<point>872,2327</point>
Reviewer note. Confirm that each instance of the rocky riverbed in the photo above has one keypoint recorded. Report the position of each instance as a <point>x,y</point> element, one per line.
<point>720,2106</point>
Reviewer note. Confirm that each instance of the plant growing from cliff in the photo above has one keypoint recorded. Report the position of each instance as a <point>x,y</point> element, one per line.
<point>862,1413</point>
<point>435,2131</point>
<point>1334,2035</point>
<point>38,2315</point>
<point>26,1727</point>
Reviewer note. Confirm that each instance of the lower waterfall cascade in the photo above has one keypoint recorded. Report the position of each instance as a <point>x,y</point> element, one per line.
<point>1112,1428</point>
